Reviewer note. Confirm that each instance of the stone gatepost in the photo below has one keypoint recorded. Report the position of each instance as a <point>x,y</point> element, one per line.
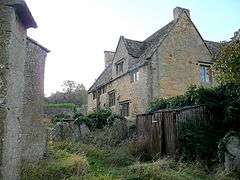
<point>21,129</point>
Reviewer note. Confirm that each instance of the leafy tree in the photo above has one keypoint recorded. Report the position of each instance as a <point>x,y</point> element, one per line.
<point>227,66</point>
<point>71,93</point>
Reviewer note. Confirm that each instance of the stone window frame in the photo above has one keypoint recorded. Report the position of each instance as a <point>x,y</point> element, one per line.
<point>119,67</point>
<point>103,89</point>
<point>205,72</point>
<point>111,98</point>
<point>124,108</point>
<point>134,76</point>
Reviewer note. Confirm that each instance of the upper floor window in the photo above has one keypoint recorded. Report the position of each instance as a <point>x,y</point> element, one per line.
<point>205,74</point>
<point>134,76</point>
<point>119,68</point>
<point>124,109</point>
<point>94,95</point>
<point>104,89</point>
<point>111,98</point>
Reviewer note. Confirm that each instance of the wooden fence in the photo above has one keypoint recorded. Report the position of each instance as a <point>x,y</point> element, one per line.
<point>160,129</point>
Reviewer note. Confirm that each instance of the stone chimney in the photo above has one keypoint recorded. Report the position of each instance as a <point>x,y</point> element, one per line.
<point>108,57</point>
<point>236,35</point>
<point>178,10</point>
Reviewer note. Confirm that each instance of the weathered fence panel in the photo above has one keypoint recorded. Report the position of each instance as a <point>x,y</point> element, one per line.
<point>160,129</point>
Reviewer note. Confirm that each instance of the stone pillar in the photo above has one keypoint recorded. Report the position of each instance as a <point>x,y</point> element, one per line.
<point>12,59</point>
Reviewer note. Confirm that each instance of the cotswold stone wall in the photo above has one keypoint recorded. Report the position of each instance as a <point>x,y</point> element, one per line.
<point>13,55</point>
<point>34,132</point>
<point>22,135</point>
<point>136,93</point>
<point>177,60</point>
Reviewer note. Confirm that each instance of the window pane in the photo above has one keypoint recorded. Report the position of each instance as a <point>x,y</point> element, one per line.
<point>131,77</point>
<point>119,68</point>
<point>205,74</point>
<point>124,109</point>
<point>137,76</point>
<point>134,76</point>
<point>202,71</point>
<point>111,99</point>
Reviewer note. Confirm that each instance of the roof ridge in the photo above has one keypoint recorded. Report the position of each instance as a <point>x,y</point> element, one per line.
<point>134,40</point>
<point>157,41</point>
<point>156,32</point>
<point>213,41</point>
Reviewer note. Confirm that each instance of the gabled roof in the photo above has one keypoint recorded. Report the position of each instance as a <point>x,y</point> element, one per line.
<point>157,38</point>
<point>22,12</point>
<point>141,51</point>
<point>136,49</point>
<point>104,78</point>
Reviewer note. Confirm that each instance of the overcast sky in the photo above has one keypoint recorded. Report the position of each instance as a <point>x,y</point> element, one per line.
<point>78,31</point>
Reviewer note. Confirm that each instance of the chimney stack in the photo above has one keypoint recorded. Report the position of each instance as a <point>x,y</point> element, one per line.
<point>178,10</point>
<point>108,57</point>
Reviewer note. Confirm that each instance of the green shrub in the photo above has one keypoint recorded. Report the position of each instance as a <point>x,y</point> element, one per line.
<point>99,118</point>
<point>113,117</point>
<point>157,104</point>
<point>196,141</point>
<point>223,102</point>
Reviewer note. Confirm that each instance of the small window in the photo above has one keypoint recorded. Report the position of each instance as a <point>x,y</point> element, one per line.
<point>104,89</point>
<point>111,98</point>
<point>119,68</point>
<point>124,109</point>
<point>205,74</point>
<point>99,92</point>
<point>94,95</point>
<point>134,76</point>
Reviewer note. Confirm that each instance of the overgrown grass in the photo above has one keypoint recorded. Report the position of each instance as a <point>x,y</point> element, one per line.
<point>59,165</point>
<point>75,161</point>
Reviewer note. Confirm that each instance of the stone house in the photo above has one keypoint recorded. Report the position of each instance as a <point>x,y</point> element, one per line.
<point>163,65</point>
<point>23,136</point>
